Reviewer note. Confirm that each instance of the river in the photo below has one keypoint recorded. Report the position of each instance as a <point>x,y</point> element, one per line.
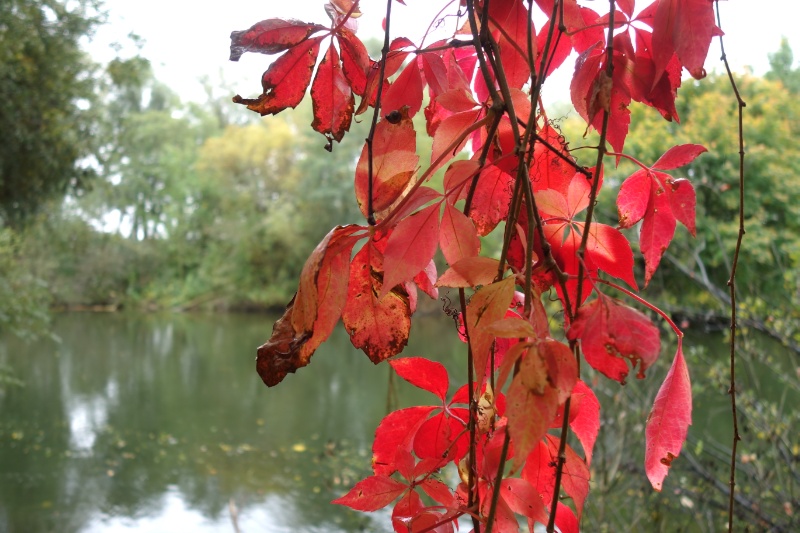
<point>159,423</point>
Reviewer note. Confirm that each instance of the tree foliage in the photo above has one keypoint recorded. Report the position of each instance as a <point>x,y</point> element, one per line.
<point>46,103</point>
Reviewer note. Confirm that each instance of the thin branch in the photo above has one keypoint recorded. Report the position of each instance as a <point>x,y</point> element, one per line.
<point>732,280</point>
<point>377,109</point>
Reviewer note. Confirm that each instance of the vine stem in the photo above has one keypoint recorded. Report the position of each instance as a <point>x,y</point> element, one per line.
<point>601,149</point>
<point>377,110</point>
<point>472,407</point>
<point>732,280</point>
<point>644,302</point>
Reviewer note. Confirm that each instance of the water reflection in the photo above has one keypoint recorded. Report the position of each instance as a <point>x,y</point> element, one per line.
<point>158,423</point>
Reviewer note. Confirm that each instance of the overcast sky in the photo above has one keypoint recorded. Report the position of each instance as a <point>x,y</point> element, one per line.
<point>187,39</point>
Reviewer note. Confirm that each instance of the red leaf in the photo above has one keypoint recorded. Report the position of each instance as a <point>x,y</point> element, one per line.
<point>411,247</point>
<point>584,418</point>
<point>557,55</point>
<point>396,431</point>
<point>657,230</point>
<point>575,477</point>
<point>394,162</point>
<point>669,421</point>
<point>511,18</point>
<point>532,405</point>
<point>271,36</point>
<point>683,201</point>
<point>487,306</point>
<point>457,100</point>
<point>660,200</point>
<point>633,198</point>
<point>355,60</point>
<point>456,178</point>
<point>286,80</point>
<point>470,272</point>
<point>612,333</point>
<point>331,292</point>
<point>435,73</point>
<point>307,298</point>
<point>426,280</point>
<point>313,311</point>
<point>626,6</point>
<point>610,251</point>
<point>523,499</point>
<point>440,492</point>
<point>380,327</point>
<point>332,98</point>
<point>677,156</point>
<point>417,199</point>
<point>548,170</point>
<point>504,519</point>
<point>406,511</point>
<point>458,237</point>
<point>645,87</point>
<point>406,90</point>
<point>492,196</point>
<point>436,435</point>
<point>566,522</point>
<point>447,133</point>
<point>540,471</point>
<point>423,373</point>
<point>562,367</point>
<point>683,27</point>
<point>372,493</point>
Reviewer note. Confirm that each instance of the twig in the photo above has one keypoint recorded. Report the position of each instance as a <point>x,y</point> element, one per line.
<point>732,280</point>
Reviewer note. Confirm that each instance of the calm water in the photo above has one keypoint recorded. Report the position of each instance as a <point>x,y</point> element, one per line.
<point>154,423</point>
<point>159,423</point>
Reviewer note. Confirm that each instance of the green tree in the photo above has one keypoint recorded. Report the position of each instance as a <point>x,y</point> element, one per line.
<point>150,146</point>
<point>781,68</point>
<point>46,103</point>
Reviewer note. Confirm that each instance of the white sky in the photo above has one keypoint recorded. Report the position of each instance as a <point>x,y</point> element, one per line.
<point>187,39</point>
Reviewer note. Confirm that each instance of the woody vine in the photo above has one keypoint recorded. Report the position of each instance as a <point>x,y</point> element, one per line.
<point>505,430</point>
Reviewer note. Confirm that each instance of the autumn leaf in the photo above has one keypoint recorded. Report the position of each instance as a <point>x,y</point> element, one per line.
<point>286,80</point>
<point>669,421</point>
<point>659,200</point>
<point>271,36</point>
<point>423,373</point>
<point>685,28</point>
<point>612,333</point>
<point>448,133</point>
<point>372,493</point>
<point>393,164</point>
<point>314,310</point>
<point>405,90</point>
<point>470,272</point>
<point>510,19</point>
<point>332,98</point>
<point>488,305</point>
<point>396,432</point>
<point>523,499</point>
<point>540,471</point>
<point>410,247</point>
<point>433,437</point>
<point>492,196</point>
<point>458,238</point>
<point>584,417</point>
<point>355,60</point>
<point>379,326</point>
